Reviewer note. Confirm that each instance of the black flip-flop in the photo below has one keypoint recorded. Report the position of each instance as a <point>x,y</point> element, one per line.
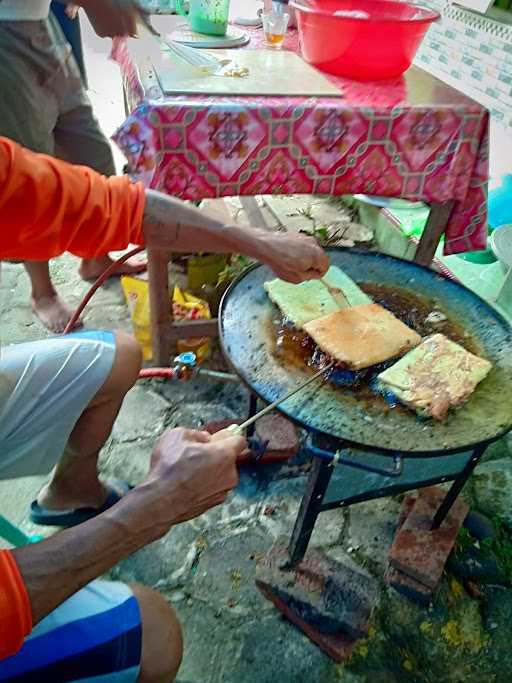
<point>38,514</point>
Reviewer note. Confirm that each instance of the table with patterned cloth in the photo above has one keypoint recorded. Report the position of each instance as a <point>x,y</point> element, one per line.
<point>414,138</point>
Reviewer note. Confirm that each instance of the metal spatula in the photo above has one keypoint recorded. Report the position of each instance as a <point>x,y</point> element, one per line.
<point>336,293</point>
<point>240,429</point>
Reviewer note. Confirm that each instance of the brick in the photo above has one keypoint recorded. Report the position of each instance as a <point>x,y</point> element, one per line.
<point>330,597</point>
<point>420,552</point>
<point>408,587</point>
<point>335,645</point>
<point>281,434</point>
<point>403,584</point>
<point>407,506</point>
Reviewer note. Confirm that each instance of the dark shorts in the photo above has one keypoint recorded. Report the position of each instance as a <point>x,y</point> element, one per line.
<point>43,104</point>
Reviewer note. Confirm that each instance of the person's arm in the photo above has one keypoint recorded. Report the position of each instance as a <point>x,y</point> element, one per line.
<point>111,18</point>
<point>171,224</point>
<point>52,207</point>
<point>190,472</point>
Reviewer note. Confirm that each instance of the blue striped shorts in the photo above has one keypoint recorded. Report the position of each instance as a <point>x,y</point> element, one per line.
<point>93,637</point>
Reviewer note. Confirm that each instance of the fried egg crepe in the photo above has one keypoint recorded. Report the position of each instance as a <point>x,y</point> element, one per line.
<point>435,376</point>
<point>302,303</point>
<point>362,336</point>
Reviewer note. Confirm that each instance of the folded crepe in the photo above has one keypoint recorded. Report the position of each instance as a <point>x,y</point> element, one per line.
<point>302,303</point>
<point>362,336</point>
<point>435,376</point>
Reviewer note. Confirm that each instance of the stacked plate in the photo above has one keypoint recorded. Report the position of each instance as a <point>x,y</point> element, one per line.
<point>234,37</point>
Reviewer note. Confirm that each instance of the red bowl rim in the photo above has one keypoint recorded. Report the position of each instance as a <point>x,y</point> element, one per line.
<point>430,15</point>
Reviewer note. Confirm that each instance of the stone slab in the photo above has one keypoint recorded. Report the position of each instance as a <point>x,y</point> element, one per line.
<point>418,551</point>
<point>492,488</point>
<point>329,596</point>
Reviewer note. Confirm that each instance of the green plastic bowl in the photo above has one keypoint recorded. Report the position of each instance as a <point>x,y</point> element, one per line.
<point>483,257</point>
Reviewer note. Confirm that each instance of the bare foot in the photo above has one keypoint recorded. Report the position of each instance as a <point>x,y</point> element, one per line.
<point>91,269</point>
<point>53,312</point>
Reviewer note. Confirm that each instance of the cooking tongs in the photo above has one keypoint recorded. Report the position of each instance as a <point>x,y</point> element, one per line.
<point>240,429</point>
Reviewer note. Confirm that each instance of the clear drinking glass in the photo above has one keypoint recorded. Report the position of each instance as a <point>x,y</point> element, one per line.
<point>274,28</point>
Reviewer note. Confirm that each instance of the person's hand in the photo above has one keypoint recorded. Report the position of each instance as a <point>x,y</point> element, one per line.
<point>293,257</point>
<point>189,473</point>
<point>111,18</point>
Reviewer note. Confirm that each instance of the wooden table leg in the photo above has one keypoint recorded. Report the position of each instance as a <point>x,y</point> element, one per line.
<point>435,227</point>
<point>160,305</point>
<point>253,211</point>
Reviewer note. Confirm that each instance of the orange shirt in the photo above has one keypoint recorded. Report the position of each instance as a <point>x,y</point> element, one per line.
<point>48,207</point>
<point>15,610</point>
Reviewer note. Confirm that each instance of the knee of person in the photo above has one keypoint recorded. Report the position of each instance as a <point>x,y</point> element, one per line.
<point>162,641</point>
<point>128,357</point>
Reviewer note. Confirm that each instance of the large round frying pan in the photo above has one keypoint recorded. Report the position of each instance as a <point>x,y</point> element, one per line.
<point>247,336</point>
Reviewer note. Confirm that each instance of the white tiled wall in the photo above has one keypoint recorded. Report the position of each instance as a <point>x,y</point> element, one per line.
<point>474,53</point>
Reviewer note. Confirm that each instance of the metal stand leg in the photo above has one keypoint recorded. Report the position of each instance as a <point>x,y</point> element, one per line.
<point>160,305</point>
<point>456,488</point>
<point>253,211</point>
<point>309,509</point>
<point>435,227</point>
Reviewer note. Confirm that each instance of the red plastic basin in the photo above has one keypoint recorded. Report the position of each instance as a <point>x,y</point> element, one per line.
<point>365,40</point>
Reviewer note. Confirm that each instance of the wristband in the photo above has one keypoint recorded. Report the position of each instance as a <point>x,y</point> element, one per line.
<point>15,610</point>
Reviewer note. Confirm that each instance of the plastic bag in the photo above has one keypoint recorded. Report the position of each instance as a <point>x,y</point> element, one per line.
<point>185,306</point>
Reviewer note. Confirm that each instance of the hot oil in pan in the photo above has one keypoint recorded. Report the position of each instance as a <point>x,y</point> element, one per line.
<point>416,311</point>
<point>298,349</point>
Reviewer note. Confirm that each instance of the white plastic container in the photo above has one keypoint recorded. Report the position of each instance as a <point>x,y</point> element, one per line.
<point>501,244</point>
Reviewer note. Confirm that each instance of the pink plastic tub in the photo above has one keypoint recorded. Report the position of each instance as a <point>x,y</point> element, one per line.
<point>361,39</point>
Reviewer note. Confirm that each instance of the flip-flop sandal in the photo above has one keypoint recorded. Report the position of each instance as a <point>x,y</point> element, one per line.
<point>38,514</point>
